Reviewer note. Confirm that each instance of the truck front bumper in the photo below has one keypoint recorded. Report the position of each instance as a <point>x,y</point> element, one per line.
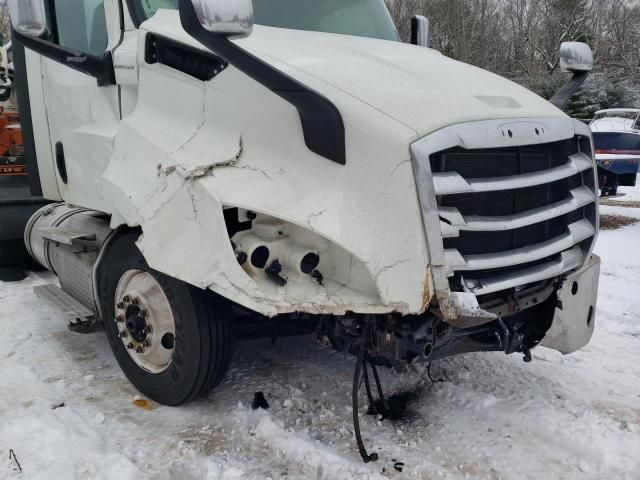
<point>574,318</point>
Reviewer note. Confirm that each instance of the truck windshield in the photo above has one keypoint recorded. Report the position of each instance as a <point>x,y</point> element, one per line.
<point>363,18</point>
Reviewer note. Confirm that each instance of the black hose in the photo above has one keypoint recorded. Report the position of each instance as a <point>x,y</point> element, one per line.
<point>364,340</point>
<point>434,342</point>
<point>383,400</point>
<point>365,373</point>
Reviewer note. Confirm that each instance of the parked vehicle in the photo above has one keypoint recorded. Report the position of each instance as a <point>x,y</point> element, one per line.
<point>616,139</point>
<point>290,160</point>
<point>16,202</point>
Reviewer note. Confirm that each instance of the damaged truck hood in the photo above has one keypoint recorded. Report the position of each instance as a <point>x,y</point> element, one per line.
<point>416,86</point>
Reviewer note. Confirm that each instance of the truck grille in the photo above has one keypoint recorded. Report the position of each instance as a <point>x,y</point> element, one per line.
<point>512,216</point>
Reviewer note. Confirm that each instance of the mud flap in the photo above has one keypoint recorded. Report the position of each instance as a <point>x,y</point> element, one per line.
<point>574,319</point>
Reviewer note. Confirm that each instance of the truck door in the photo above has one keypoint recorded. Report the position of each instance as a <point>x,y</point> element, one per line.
<point>80,96</point>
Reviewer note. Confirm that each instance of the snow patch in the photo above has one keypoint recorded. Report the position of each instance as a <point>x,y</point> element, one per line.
<point>317,458</point>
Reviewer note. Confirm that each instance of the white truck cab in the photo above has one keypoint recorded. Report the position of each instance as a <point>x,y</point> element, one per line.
<point>293,158</point>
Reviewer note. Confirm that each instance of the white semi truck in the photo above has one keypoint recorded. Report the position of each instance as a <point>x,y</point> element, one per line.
<point>293,159</point>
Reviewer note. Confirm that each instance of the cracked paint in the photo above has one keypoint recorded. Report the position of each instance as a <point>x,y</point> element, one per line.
<point>403,162</point>
<point>198,171</point>
<point>388,268</point>
<point>253,168</point>
<point>203,121</point>
<point>315,216</point>
<point>177,164</point>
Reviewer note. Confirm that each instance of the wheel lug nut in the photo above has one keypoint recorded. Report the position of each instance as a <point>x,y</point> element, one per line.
<point>149,329</point>
<point>120,319</point>
<point>120,305</point>
<point>126,299</point>
<point>130,346</point>
<point>140,349</point>
<point>144,313</point>
<point>147,343</point>
<point>135,301</point>
<point>124,334</point>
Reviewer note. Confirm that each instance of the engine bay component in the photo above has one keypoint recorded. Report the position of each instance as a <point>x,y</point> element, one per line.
<point>289,260</point>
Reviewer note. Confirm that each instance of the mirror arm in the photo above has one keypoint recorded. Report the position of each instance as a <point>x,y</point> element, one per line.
<point>420,31</point>
<point>562,96</point>
<point>321,120</point>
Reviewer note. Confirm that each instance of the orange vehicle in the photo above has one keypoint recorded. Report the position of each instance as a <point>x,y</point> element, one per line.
<point>10,134</point>
<point>17,203</point>
<point>11,144</point>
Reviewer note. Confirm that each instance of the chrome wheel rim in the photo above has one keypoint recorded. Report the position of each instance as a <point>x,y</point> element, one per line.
<point>144,321</point>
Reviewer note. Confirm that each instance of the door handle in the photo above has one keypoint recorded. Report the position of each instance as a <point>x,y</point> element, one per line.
<point>60,163</point>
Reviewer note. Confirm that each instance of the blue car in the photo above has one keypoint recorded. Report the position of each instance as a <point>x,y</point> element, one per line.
<point>616,138</point>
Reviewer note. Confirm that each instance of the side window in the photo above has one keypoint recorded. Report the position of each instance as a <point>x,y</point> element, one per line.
<point>81,25</point>
<point>151,6</point>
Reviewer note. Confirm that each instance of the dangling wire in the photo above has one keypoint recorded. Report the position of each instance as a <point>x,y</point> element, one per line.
<point>360,363</point>
<point>371,361</point>
<point>372,407</point>
<point>433,380</point>
<point>383,400</point>
<point>433,342</point>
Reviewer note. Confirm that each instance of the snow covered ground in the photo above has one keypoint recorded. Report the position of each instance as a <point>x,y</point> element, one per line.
<point>67,411</point>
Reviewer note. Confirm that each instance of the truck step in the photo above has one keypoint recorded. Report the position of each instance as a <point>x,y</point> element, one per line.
<point>66,235</point>
<point>80,319</point>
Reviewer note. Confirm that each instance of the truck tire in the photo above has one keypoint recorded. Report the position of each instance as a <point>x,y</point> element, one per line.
<point>172,340</point>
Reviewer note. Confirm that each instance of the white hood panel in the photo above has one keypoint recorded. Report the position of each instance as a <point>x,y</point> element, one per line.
<point>416,86</point>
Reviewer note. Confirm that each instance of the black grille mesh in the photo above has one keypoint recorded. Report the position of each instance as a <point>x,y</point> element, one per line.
<point>500,162</point>
<point>471,243</point>
<point>508,202</point>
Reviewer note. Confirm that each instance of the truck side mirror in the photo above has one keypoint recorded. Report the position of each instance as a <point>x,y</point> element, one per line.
<point>228,18</point>
<point>28,17</point>
<point>420,31</point>
<point>576,58</point>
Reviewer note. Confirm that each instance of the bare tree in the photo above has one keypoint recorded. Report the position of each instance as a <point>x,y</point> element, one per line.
<point>5,22</point>
<point>521,38</point>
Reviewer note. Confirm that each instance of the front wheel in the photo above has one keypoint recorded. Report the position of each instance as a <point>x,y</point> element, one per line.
<point>173,341</point>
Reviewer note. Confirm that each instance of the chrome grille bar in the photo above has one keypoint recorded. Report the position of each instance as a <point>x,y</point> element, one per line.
<point>576,233</point>
<point>579,197</point>
<point>567,260</point>
<point>449,183</point>
<point>531,218</point>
